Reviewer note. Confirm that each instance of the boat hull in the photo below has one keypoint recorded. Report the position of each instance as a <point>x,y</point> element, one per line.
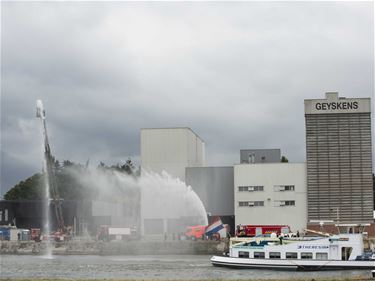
<point>290,264</point>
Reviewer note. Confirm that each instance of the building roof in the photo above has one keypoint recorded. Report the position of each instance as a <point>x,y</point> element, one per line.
<point>173,128</point>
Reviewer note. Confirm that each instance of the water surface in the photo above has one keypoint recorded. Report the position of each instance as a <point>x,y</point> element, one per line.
<point>143,267</point>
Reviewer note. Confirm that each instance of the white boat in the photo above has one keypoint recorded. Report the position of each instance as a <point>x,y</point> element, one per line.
<point>343,251</point>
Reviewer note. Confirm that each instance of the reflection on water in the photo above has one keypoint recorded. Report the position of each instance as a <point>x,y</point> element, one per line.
<point>143,267</point>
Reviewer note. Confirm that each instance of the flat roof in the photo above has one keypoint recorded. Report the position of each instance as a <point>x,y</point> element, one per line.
<point>272,163</point>
<point>173,128</point>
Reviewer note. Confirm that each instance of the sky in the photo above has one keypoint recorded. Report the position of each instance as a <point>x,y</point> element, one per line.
<point>236,73</point>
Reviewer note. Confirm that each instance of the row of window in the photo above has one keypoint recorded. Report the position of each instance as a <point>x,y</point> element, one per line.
<point>251,203</point>
<point>261,188</point>
<point>288,255</point>
<point>277,203</point>
<point>250,188</point>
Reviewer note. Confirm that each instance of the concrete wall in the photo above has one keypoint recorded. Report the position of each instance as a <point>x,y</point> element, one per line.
<point>214,186</point>
<point>271,176</point>
<point>171,150</point>
<point>260,156</point>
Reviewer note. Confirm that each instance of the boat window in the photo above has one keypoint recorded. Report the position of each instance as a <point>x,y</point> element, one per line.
<point>322,256</point>
<point>345,253</point>
<point>291,255</point>
<point>306,256</point>
<point>259,255</point>
<point>242,254</point>
<point>275,255</point>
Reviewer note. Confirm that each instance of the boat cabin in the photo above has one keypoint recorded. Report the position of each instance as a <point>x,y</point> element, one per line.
<point>337,247</point>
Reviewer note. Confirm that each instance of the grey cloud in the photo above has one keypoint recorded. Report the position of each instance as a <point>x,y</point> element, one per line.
<point>236,73</point>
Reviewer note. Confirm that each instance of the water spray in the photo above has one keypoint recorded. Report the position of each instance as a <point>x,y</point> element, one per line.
<point>51,185</point>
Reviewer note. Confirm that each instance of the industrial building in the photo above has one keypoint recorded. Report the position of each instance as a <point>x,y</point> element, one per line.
<point>214,186</point>
<point>29,214</point>
<point>339,159</point>
<point>333,186</point>
<point>171,150</point>
<point>271,193</point>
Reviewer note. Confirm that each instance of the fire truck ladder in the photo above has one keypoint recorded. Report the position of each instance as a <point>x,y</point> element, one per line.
<point>40,113</point>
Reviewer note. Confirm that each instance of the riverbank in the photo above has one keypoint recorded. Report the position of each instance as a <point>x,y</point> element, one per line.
<point>140,247</point>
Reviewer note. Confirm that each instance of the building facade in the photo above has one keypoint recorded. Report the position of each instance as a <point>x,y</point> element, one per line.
<point>171,150</point>
<point>214,186</point>
<point>339,159</point>
<point>271,193</point>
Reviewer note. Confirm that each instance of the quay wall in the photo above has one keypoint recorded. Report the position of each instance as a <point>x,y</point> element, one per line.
<point>115,247</point>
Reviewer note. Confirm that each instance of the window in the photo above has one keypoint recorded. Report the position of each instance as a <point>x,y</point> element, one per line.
<point>289,187</point>
<point>243,254</point>
<point>251,158</point>
<point>322,256</point>
<point>258,255</point>
<point>275,255</point>
<point>291,255</point>
<point>285,203</point>
<point>242,188</point>
<point>306,256</point>
<point>283,187</point>
<point>1,215</point>
<point>290,203</point>
<point>345,253</point>
<point>250,203</point>
<point>250,188</point>
<point>6,215</point>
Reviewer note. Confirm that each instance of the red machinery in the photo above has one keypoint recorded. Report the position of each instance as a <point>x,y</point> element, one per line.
<point>258,230</point>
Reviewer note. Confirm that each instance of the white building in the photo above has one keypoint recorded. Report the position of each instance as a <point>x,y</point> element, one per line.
<point>271,193</point>
<point>171,150</point>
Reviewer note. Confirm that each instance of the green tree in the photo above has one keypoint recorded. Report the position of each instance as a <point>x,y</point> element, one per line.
<point>128,167</point>
<point>30,189</point>
<point>284,159</point>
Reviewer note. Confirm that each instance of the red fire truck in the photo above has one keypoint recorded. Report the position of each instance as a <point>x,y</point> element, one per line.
<point>257,230</point>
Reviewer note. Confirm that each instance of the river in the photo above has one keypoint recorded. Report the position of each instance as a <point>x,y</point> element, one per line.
<point>191,267</point>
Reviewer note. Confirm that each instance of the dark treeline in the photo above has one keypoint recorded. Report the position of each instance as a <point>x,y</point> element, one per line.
<point>69,187</point>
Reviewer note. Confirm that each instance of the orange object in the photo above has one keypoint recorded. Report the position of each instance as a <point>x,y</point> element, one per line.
<point>195,232</point>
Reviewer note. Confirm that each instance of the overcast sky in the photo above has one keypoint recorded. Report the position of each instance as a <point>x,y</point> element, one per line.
<point>236,73</point>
